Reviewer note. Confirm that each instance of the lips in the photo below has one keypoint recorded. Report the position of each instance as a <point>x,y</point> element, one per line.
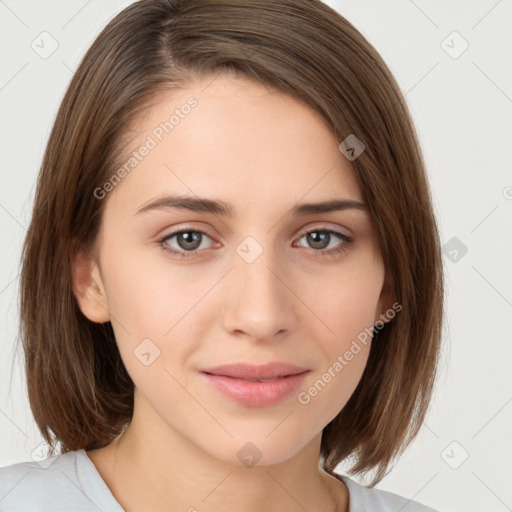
<point>267,372</point>
<point>256,386</point>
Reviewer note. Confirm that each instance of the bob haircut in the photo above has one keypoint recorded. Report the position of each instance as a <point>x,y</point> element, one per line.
<point>79,390</point>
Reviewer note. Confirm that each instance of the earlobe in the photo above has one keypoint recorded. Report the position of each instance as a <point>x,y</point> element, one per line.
<point>88,288</point>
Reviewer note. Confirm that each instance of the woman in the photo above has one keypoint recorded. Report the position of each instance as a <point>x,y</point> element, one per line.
<point>232,280</point>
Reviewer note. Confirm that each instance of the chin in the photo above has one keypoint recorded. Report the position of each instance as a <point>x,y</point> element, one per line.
<point>256,448</point>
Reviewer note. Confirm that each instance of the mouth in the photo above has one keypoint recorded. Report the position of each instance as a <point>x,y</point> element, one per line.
<point>256,386</point>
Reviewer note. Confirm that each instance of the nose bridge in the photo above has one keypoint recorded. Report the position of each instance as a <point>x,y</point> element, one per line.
<point>259,302</point>
<point>259,275</point>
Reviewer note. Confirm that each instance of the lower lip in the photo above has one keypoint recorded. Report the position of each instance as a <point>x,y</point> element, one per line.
<point>257,394</point>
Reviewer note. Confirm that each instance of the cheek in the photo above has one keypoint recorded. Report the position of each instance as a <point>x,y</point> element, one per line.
<point>344,360</point>
<point>346,301</point>
<point>346,305</point>
<point>149,297</point>
<point>156,309</point>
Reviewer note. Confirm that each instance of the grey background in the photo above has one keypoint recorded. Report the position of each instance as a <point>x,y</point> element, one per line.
<point>462,107</point>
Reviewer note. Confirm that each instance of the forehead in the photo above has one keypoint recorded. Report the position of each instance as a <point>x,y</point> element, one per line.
<point>238,139</point>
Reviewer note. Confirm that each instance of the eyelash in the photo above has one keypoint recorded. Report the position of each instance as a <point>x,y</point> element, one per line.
<point>347,240</point>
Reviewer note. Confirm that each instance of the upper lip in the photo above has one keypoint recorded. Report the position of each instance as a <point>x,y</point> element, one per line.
<point>251,371</point>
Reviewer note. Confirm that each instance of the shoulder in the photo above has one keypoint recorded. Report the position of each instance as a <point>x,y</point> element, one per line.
<point>366,498</point>
<point>59,483</point>
<point>34,485</point>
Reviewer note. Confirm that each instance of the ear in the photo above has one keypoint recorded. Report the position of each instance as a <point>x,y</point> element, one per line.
<point>88,288</point>
<point>385,310</point>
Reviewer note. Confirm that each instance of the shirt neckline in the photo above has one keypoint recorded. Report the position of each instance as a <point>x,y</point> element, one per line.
<point>96,488</point>
<point>353,492</point>
<point>107,499</point>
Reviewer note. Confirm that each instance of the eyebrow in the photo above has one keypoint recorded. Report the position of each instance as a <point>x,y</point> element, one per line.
<point>217,207</point>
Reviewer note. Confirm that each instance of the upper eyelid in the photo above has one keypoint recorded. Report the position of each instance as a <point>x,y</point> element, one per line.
<point>184,229</point>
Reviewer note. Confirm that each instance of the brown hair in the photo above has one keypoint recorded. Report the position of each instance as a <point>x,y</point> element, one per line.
<point>79,390</point>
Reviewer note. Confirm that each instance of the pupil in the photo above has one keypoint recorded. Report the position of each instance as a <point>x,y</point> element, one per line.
<point>317,239</point>
<point>191,239</point>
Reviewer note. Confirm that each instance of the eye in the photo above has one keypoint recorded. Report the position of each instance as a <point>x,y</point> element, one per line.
<point>187,240</point>
<point>320,239</point>
<point>190,242</point>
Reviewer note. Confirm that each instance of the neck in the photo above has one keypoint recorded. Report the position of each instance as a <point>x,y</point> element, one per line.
<point>144,473</point>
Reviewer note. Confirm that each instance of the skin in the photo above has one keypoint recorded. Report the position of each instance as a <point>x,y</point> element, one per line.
<point>261,151</point>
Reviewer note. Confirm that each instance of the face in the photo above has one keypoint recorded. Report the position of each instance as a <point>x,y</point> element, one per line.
<point>257,281</point>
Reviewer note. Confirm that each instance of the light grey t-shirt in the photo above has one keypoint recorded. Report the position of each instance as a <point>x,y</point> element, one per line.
<point>71,483</point>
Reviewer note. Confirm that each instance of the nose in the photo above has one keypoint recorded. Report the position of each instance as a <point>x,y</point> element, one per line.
<point>259,301</point>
